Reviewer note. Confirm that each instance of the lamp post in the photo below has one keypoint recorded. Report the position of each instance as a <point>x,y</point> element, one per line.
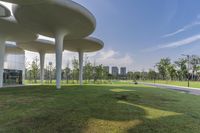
<point>188,60</point>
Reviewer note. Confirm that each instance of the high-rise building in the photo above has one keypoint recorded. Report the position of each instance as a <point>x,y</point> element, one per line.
<point>115,71</point>
<point>123,71</point>
<point>106,68</point>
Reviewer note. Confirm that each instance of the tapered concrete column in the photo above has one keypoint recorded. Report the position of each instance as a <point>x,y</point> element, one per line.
<point>59,52</point>
<point>42,58</point>
<point>80,53</point>
<point>2,53</point>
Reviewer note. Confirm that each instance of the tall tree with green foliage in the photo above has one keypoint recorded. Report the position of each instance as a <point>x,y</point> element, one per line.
<point>151,74</point>
<point>75,71</point>
<point>182,68</point>
<point>194,62</point>
<point>172,71</point>
<point>35,69</point>
<point>99,72</point>
<point>88,70</point>
<point>130,75</point>
<point>163,66</point>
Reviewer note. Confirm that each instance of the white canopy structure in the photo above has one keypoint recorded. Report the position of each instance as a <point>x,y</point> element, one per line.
<point>58,19</point>
<point>42,47</point>
<point>4,11</point>
<point>11,31</point>
<point>13,49</point>
<point>25,2</point>
<point>88,44</point>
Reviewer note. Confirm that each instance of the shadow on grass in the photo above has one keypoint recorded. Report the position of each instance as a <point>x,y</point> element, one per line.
<point>97,109</point>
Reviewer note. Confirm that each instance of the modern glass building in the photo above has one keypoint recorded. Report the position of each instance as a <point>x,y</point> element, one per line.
<point>14,66</point>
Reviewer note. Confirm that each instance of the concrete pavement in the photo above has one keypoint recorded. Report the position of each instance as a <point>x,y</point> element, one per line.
<point>194,91</point>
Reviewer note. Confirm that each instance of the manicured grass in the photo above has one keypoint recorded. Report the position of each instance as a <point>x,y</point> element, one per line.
<point>194,84</point>
<point>98,109</point>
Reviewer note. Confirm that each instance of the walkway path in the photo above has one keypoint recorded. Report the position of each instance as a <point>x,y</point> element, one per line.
<point>194,91</point>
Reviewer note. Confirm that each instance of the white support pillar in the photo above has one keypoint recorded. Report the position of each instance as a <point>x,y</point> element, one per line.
<point>42,58</point>
<point>80,53</point>
<point>2,53</point>
<point>59,52</point>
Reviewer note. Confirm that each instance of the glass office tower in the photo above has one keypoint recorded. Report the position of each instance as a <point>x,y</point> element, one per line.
<point>14,66</point>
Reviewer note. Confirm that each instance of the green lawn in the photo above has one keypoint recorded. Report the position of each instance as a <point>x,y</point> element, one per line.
<point>98,109</point>
<point>194,84</point>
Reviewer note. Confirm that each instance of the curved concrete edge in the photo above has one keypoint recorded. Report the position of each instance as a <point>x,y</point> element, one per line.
<point>81,9</point>
<point>86,45</point>
<point>82,24</point>
<point>13,49</point>
<point>188,90</point>
<point>10,30</point>
<point>4,11</point>
<point>39,46</point>
<point>25,2</point>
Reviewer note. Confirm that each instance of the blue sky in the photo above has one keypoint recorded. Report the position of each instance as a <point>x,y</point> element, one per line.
<point>137,33</point>
<point>147,30</point>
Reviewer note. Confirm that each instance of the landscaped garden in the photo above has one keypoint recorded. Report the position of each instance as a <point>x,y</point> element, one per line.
<point>98,109</point>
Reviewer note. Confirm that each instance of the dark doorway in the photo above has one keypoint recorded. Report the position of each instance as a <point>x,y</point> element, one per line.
<point>12,77</point>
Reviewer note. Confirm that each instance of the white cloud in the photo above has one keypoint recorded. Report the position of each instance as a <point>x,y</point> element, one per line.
<point>107,54</point>
<point>114,58</point>
<point>176,44</point>
<point>185,28</point>
<point>182,42</point>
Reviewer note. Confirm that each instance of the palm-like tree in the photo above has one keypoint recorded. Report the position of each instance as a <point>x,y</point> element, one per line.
<point>163,66</point>
<point>194,62</point>
<point>182,68</point>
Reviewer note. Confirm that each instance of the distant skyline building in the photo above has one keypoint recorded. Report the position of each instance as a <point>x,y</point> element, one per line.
<point>123,71</point>
<point>115,71</point>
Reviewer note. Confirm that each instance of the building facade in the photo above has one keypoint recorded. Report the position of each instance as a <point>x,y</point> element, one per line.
<point>115,71</point>
<point>14,66</point>
<point>123,71</point>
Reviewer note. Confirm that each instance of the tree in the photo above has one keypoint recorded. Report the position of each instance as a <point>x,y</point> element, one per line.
<point>151,74</point>
<point>182,68</point>
<point>67,72</point>
<point>137,75</point>
<point>194,62</point>
<point>98,72</point>
<point>172,71</point>
<point>50,72</point>
<point>130,75</point>
<point>88,70</point>
<point>105,74</point>
<point>163,66</point>
<point>75,71</point>
<point>35,69</point>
